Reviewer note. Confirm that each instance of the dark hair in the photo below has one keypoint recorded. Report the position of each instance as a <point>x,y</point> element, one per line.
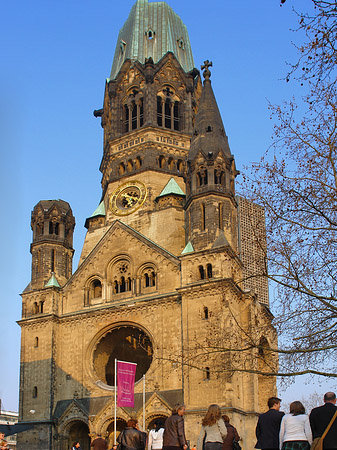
<point>158,423</point>
<point>273,401</point>
<point>296,408</point>
<point>212,416</point>
<point>225,418</point>
<point>74,443</point>
<point>132,423</point>
<point>329,396</point>
<point>177,407</point>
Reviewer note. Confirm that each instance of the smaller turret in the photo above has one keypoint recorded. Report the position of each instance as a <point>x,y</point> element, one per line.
<point>52,247</point>
<point>211,205</point>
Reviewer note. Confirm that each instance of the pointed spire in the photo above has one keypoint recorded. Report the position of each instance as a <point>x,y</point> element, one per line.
<point>188,249</point>
<point>209,134</point>
<point>52,281</point>
<point>172,187</point>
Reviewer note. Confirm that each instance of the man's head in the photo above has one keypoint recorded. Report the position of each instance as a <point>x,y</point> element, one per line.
<point>274,403</point>
<point>2,435</point>
<point>330,397</point>
<point>76,444</point>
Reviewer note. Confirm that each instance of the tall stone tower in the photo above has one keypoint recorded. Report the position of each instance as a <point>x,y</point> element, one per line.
<point>166,277</point>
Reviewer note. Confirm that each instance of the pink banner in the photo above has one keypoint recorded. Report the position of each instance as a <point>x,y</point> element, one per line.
<point>125,383</point>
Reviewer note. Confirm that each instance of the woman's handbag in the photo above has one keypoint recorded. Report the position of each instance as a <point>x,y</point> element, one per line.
<point>236,445</point>
<point>317,443</point>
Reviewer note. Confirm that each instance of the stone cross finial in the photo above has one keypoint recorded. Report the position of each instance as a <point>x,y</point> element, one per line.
<point>206,72</point>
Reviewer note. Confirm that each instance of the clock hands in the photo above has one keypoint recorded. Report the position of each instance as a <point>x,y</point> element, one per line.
<point>130,199</point>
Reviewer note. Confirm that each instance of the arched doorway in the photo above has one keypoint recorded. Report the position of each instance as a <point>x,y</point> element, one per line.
<point>120,425</point>
<point>150,425</point>
<point>79,431</point>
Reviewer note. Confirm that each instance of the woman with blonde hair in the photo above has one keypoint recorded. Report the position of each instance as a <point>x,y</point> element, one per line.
<point>213,430</point>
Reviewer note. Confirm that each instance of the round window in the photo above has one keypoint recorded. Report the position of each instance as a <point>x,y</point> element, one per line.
<point>125,343</point>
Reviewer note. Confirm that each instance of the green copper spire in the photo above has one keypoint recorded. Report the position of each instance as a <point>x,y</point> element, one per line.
<point>152,30</point>
<point>52,282</point>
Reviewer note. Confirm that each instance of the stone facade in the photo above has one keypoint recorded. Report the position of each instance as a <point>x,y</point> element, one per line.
<point>162,278</point>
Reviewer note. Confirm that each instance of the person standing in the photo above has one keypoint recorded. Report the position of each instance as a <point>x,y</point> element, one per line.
<point>131,438</point>
<point>156,436</point>
<point>295,431</point>
<point>174,434</point>
<point>213,430</point>
<point>320,418</point>
<point>232,434</point>
<point>76,446</point>
<point>99,443</point>
<point>268,426</point>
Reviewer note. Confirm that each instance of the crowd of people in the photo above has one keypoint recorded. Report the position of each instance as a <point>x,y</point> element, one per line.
<point>275,430</point>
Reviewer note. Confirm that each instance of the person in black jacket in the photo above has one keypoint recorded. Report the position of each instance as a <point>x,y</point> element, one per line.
<point>320,418</point>
<point>268,426</point>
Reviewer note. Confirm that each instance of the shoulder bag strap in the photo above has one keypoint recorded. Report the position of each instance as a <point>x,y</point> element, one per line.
<point>329,426</point>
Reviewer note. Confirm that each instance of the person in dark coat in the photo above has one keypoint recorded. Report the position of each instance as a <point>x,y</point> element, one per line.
<point>131,438</point>
<point>231,434</point>
<point>320,418</point>
<point>174,435</point>
<point>99,443</point>
<point>268,426</point>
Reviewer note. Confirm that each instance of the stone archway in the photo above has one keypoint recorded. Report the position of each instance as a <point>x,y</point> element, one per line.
<point>120,425</point>
<point>79,431</point>
<point>150,425</point>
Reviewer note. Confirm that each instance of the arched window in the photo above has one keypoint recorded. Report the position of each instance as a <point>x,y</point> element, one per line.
<point>121,169</point>
<point>171,163</point>
<point>133,112</point>
<point>41,307</point>
<point>115,287</point>
<point>35,392</point>
<point>180,166</point>
<point>56,228</point>
<point>52,262</point>
<point>201,272</point>
<point>161,161</point>
<point>95,290</point>
<point>122,285</point>
<point>138,163</point>
<point>203,217</point>
<point>209,270</point>
<point>36,342</point>
<point>51,228</point>
<point>35,308</point>
<point>205,312</point>
<point>168,109</point>
<point>129,166</point>
<point>220,216</point>
<point>149,278</point>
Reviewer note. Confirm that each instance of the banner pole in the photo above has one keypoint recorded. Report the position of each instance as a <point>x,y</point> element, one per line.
<point>115,422</point>
<point>144,402</point>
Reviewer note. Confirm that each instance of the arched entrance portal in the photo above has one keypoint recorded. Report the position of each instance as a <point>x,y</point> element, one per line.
<point>151,423</point>
<point>120,425</point>
<point>79,431</point>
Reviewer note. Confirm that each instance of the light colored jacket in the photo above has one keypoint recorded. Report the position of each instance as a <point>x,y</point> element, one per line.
<point>156,439</point>
<point>214,433</point>
<point>295,428</point>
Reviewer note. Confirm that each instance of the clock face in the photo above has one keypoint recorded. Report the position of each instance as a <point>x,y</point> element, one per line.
<point>127,198</point>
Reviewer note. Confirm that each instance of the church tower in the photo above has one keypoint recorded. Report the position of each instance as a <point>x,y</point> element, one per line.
<point>166,273</point>
<point>52,253</point>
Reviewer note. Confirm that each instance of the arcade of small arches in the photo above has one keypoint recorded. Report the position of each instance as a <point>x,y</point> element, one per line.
<point>168,109</point>
<point>168,163</point>
<point>78,430</point>
<point>122,279</point>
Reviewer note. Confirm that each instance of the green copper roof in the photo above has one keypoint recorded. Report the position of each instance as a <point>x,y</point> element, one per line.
<point>152,30</point>
<point>172,187</point>
<point>52,282</point>
<point>188,249</point>
<point>99,211</point>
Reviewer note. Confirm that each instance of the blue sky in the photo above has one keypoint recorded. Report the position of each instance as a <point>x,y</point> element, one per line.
<point>55,57</point>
